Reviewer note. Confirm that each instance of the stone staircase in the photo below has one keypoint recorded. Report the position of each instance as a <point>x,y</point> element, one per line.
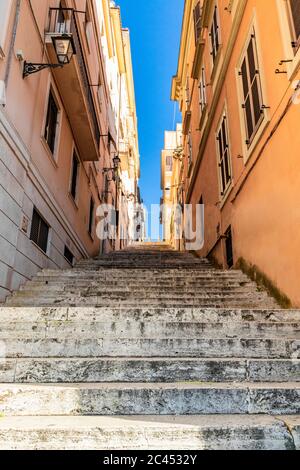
<point>148,349</point>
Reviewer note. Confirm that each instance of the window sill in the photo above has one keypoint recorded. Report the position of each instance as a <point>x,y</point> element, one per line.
<point>73,201</point>
<point>40,249</point>
<point>226,194</point>
<point>293,67</point>
<point>91,236</point>
<point>69,262</point>
<point>203,117</point>
<point>51,156</point>
<point>216,64</point>
<point>255,141</point>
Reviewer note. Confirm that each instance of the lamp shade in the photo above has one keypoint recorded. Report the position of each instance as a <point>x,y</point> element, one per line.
<point>64,48</point>
<point>116,161</point>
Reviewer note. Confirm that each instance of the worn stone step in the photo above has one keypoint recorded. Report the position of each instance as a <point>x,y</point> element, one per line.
<point>150,347</point>
<point>113,314</point>
<point>117,289</point>
<point>254,432</point>
<point>130,304</point>
<point>145,274</point>
<point>153,399</point>
<point>164,369</point>
<point>148,329</point>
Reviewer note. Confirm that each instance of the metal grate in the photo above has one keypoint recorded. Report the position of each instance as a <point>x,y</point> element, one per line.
<point>39,231</point>
<point>69,255</point>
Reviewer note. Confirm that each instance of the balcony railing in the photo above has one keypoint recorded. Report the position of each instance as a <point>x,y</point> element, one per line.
<point>63,21</point>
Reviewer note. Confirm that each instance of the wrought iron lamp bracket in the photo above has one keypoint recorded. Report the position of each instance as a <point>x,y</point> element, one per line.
<point>31,68</point>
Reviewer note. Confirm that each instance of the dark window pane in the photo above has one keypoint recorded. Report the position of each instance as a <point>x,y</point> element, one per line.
<point>223,177</point>
<point>229,248</point>
<point>68,255</point>
<point>224,135</point>
<point>251,61</point>
<point>74,176</point>
<point>295,10</point>
<point>245,79</point>
<point>256,102</point>
<point>39,231</point>
<point>249,121</point>
<point>35,227</point>
<point>227,167</point>
<point>91,216</point>
<point>43,237</point>
<point>220,144</point>
<point>51,123</point>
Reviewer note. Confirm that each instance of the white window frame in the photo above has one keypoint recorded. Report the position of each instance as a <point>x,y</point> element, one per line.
<point>5,11</point>
<point>224,191</point>
<point>287,38</point>
<point>249,149</point>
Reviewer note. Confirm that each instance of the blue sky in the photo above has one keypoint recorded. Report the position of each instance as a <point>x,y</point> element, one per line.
<point>155,27</point>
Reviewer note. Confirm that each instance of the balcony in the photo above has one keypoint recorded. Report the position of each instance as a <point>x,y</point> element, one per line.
<point>73,84</point>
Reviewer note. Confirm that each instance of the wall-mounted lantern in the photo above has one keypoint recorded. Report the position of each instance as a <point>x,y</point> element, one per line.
<point>64,49</point>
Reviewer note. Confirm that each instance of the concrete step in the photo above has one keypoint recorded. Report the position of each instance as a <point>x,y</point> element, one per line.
<point>153,399</point>
<point>254,432</point>
<point>141,329</point>
<point>164,369</point>
<point>274,348</point>
<point>140,314</point>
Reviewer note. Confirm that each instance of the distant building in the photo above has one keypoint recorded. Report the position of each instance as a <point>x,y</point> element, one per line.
<point>171,183</point>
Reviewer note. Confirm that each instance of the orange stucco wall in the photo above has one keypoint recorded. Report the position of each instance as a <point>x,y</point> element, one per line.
<point>262,206</point>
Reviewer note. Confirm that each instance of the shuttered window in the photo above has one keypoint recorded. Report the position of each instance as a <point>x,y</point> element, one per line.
<point>215,35</point>
<point>74,176</point>
<point>197,22</point>
<point>190,150</point>
<point>51,122</point>
<point>202,90</point>
<point>169,162</point>
<point>39,231</point>
<point>294,6</point>
<point>224,155</point>
<point>251,89</point>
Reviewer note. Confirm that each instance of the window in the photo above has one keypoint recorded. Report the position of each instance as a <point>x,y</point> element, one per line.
<point>69,255</point>
<point>39,231</point>
<point>294,10</point>
<point>197,21</point>
<point>224,155</point>
<point>91,216</point>
<point>251,89</point>
<point>202,90</point>
<point>51,122</point>
<point>169,162</point>
<point>187,92</point>
<point>215,35</point>
<point>5,9</point>
<point>74,175</point>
